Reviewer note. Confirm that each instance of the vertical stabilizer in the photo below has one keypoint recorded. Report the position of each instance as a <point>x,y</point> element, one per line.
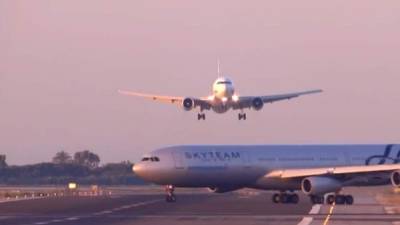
<point>218,68</point>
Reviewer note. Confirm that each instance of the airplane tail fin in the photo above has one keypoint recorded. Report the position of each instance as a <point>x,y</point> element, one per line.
<point>218,68</point>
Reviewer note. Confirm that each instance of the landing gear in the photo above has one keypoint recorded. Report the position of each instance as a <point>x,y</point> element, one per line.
<point>201,116</point>
<point>316,199</point>
<point>340,199</point>
<point>285,198</point>
<point>170,197</point>
<point>242,116</point>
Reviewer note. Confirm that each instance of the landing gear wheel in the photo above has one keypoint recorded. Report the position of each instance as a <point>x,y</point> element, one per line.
<point>285,198</point>
<point>201,116</point>
<point>294,198</point>
<point>349,200</point>
<point>340,199</point>
<point>170,197</point>
<point>330,199</point>
<point>276,198</point>
<point>242,116</point>
<point>315,199</point>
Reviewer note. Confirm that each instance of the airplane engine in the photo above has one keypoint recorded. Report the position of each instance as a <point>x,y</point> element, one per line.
<point>188,104</point>
<point>320,185</point>
<point>257,103</point>
<point>395,178</point>
<point>222,189</point>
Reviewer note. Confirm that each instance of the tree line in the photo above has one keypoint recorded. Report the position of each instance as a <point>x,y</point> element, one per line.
<point>83,167</point>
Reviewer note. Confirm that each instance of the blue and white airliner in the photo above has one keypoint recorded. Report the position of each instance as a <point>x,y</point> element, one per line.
<point>316,170</point>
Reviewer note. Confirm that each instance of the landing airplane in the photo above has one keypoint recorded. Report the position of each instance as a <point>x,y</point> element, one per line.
<point>315,170</point>
<point>222,99</point>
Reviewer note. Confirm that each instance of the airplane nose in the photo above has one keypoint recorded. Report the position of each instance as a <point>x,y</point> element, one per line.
<point>137,168</point>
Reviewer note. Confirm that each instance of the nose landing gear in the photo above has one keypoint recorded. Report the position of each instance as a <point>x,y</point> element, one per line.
<point>170,197</point>
<point>201,116</point>
<point>242,116</point>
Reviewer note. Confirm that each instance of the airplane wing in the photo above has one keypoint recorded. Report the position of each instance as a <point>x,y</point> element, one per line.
<point>168,99</point>
<point>246,101</point>
<point>325,171</point>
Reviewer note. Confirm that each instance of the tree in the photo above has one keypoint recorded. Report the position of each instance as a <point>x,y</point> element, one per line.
<point>3,162</point>
<point>62,157</point>
<point>87,158</point>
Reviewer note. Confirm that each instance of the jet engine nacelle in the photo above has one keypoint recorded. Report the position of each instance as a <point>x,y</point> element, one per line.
<point>222,189</point>
<point>188,104</point>
<point>257,103</point>
<point>395,178</point>
<point>320,185</point>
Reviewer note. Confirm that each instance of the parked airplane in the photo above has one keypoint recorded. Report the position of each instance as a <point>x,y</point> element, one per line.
<point>316,170</point>
<point>223,98</point>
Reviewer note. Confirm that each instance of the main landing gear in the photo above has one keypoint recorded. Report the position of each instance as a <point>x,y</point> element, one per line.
<point>242,116</point>
<point>170,197</point>
<point>289,198</point>
<point>330,199</point>
<point>201,116</point>
<point>285,198</point>
<point>317,199</point>
<point>340,199</point>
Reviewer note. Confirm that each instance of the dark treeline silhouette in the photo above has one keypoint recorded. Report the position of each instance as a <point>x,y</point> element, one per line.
<point>83,168</point>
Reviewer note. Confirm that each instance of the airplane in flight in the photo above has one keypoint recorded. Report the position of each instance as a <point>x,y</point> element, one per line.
<point>316,170</point>
<point>223,98</point>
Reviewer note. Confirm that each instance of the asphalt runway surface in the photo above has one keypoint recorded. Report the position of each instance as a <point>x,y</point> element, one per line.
<point>191,209</point>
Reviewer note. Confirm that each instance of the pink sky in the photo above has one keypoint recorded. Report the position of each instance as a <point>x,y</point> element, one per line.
<point>61,63</point>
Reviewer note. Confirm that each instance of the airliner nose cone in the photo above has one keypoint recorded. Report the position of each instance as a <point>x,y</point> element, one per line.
<point>137,168</point>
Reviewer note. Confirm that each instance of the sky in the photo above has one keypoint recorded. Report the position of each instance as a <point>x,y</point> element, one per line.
<point>62,62</point>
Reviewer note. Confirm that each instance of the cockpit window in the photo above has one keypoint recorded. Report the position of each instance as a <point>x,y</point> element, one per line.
<point>153,159</point>
<point>224,82</point>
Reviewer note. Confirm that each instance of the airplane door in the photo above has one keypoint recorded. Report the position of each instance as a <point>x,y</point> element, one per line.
<point>178,160</point>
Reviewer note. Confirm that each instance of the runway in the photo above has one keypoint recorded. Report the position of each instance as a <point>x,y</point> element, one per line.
<point>193,209</point>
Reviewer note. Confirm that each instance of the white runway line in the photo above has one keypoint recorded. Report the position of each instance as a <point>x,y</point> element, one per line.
<point>41,223</point>
<point>315,209</point>
<point>72,218</point>
<point>390,209</point>
<point>307,220</point>
<point>99,213</point>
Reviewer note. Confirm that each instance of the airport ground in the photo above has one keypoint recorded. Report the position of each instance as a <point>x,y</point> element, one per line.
<point>146,206</point>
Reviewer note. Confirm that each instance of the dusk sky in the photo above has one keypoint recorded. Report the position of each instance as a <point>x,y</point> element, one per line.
<point>62,62</point>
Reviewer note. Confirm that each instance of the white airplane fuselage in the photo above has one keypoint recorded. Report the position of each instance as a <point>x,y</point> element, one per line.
<point>247,166</point>
<point>222,99</point>
<point>223,95</point>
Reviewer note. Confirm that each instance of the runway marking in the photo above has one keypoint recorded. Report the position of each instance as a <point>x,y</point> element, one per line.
<point>127,207</point>
<point>328,217</point>
<point>390,209</point>
<point>72,218</point>
<point>307,220</point>
<point>100,213</point>
<point>315,209</point>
